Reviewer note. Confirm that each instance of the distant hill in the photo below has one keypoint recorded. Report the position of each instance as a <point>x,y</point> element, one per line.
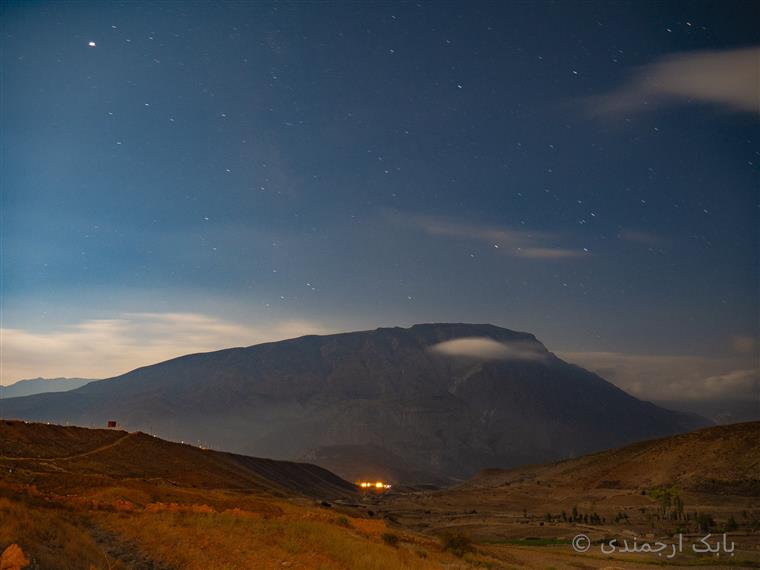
<point>102,455</point>
<point>430,402</point>
<point>717,459</point>
<point>41,386</point>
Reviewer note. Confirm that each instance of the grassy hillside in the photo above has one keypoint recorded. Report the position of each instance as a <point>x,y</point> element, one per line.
<point>74,498</point>
<point>723,457</point>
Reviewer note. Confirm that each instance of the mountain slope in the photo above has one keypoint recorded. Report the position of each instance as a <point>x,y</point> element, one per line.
<point>387,392</point>
<point>41,386</point>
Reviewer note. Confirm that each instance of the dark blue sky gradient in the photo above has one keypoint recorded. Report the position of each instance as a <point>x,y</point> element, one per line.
<point>219,157</point>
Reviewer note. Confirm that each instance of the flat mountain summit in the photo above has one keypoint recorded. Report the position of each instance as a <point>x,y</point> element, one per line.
<point>428,403</point>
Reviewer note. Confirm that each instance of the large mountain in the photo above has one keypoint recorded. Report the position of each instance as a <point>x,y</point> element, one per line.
<point>426,403</point>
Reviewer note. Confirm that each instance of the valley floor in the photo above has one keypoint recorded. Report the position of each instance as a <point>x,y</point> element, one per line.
<point>531,525</point>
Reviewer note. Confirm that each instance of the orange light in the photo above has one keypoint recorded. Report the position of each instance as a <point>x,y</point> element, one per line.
<point>378,485</point>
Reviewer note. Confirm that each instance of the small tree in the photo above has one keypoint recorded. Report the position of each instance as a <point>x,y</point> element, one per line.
<point>705,522</point>
<point>678,503</point>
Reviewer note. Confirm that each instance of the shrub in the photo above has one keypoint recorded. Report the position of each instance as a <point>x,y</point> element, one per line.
<point>343,521</point>
<point>389,538</point>
<point>457,543</point>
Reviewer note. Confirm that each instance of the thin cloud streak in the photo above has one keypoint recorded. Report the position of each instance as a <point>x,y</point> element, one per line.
<point>729,79</point>
<point>548,253</point>
<point>509,241</point>
<point>746,345</point>
<point>644,238</point>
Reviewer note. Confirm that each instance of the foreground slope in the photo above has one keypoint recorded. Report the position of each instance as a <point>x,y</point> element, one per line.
<point>99,499</point>
<point>388,395</point>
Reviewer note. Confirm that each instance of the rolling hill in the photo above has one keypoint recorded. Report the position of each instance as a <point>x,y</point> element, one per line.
<point>419,413</point>
<point>719,459</point>
<point>66,455</point>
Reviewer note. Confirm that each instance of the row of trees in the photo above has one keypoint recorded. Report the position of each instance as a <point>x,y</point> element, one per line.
<point>670,507</point>
<point>576,516</point>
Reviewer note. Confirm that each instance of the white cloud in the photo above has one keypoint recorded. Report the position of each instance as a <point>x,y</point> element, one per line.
<point>672,377</point>
<point>736,382</point>
<point>489,349</point>
<point>509,241</point>
<point>729,79</point>
<point>100,348</point>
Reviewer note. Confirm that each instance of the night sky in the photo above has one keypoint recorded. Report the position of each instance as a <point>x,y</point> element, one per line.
<point>190,176</point>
